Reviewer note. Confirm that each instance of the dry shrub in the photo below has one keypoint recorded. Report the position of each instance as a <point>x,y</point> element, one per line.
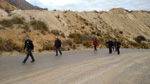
<point>87,44</point>
<point>6,23</point>
<point>9,45</point>
<point>39,25</point>
<point>55,32</point>
<point>140,38</point>
<point>18,20</point>
<point>47,46</point>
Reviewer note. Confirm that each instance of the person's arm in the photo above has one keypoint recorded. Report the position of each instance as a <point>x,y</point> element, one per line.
<point>32,45</point>
<point>55,43</point>
<point>97,43</point>
<point>93,42</point>
<point>60,42</point>
<point>25,45</point>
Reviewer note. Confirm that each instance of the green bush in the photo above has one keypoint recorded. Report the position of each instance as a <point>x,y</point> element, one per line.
<point>39,25</point>
<point>144,45</point>
<point>6,23</point>
<point>55,32</point>
<point>78,40</point>
<point>86,44</point>
<point>62,34</point>
<point>74,35</point>
<point>101,40</point>
<point>140,38</point>
<point>77,37</point>
<point>70,42</point>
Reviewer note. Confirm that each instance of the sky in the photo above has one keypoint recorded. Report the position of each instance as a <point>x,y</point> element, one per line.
<point>90,5</point>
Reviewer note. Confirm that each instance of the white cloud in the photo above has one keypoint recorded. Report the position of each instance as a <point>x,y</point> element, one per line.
<point>89,5</point>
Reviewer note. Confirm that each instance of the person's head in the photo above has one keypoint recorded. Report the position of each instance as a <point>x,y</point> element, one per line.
<point>56,37</point>
<point>27,37</point>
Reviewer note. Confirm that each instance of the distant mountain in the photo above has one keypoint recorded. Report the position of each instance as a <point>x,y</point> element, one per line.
<point>24,5</point>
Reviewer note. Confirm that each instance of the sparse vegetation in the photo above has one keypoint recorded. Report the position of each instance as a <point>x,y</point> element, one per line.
<point>70,42</point>
<point>6,23</point>
<point>77,37</point>
<point>87,44</point>
<point>18,20</point>
<point>101,40</point>
<point>10,22</point>
<point>26,28</point>
<point>93,33</point>
<point>74,35</point>
<point>7,10</point>
<point>47,46</point>
<point>55,32</point>
<point>39,25</point>
<point>134,44</point>
<point>140,38</point>
<point>9,45</point>
<point>62,34</point>
<point>144,45</point>
<point>82,27</point>
<point>57,16</point>
<point>99,34</point>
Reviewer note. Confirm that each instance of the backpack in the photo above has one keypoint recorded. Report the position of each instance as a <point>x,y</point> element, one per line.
<point>28,43</point>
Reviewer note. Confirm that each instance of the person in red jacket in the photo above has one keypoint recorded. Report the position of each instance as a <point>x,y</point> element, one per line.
<point>95,43</point>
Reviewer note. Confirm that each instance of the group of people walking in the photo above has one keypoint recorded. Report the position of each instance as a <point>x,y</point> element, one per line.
<point>112,45</point>
<point>30,47</point>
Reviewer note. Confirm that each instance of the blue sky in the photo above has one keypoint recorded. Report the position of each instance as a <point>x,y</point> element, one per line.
<point>90,5</point>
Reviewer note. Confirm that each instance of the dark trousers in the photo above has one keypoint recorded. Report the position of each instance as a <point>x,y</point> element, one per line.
<point>113,48</point>
<point>29,54</point>
<point>110,50</point>
<point>58,49</point>
<point>118,50</point>
<point>95,49</point>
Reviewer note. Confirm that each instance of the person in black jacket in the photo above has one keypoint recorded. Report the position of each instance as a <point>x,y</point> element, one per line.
<point>58,46</point>
<point>118,47</point>
<point>30,47</point>
<point>110,44</point>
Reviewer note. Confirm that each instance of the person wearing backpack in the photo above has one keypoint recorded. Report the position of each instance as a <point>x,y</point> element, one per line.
<point>30,48</point>
<point>58,46</point>
<point>95,43</point>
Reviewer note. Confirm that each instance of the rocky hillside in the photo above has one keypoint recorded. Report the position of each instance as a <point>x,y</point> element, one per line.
<point>6,6</point>
<point>76,29</point>
<point>24,5</point>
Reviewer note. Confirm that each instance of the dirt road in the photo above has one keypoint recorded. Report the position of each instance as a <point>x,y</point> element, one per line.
<point>132,66</point>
